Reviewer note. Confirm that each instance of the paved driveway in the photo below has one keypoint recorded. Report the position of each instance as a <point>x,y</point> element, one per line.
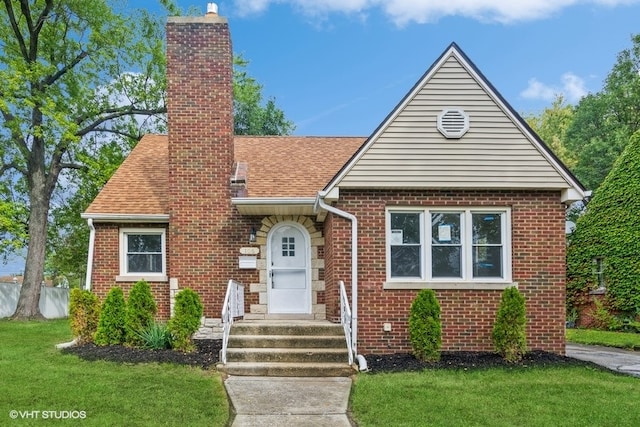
<point>623,361</point>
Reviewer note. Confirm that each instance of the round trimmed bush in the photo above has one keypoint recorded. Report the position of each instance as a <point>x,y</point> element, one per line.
<point>111,327</point>
<point>185,322</point>
<point>425,328</point>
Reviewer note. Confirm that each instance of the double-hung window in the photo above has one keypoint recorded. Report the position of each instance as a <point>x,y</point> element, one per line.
<point>448,245</point>
<point>142,253</point>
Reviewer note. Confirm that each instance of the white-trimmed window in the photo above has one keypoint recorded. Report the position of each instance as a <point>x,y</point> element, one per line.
<point>449,245</point>
<point>142,253</point>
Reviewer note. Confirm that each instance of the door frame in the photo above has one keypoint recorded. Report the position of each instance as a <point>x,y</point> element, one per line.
<point>307,254</point>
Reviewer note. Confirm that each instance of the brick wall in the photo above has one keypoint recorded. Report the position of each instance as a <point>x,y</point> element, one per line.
<point>538,266</point>
<point>202,230</point>
<point>106,267</point>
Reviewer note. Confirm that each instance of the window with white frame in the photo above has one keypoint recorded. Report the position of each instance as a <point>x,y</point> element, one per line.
<point>470,245</point>
<point>142,252</point>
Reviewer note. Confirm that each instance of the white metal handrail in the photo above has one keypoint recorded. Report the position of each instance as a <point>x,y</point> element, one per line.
<point>346,319</point>
<point>232,307</point>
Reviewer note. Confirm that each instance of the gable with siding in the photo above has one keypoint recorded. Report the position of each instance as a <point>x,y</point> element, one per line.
<point>499,151</point>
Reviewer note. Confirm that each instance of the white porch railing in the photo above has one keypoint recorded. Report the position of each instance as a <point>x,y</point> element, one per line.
<point>233,307</point>
<point>346,319</point>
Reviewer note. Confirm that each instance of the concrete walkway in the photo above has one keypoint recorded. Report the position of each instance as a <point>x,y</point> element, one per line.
<point>289,401</point>
<point>323,401</point>
<point>623,361</point>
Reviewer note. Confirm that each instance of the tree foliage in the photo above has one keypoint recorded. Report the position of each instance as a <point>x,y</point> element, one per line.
<point>73,73</point>
<point>251,115</point>
<point>609,234</point>
<point>509,330</point>
<point>603,122</point>
<point>551,126</point>
<point>425,328</point>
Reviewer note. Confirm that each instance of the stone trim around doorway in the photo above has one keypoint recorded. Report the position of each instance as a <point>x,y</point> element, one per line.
<point>318,310</point>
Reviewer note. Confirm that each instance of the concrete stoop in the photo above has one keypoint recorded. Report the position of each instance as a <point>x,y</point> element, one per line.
<point>287,349</point>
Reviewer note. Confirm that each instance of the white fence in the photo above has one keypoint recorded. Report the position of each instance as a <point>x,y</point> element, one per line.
<point>54,302</point>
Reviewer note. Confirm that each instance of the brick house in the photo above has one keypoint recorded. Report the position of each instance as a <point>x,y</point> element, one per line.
<point>452,191</point>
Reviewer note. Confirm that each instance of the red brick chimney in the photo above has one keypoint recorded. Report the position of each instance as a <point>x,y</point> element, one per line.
<point>200,117</point>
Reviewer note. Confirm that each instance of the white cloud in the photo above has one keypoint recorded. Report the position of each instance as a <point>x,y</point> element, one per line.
<point>403,12</point>
<point>571,87</point>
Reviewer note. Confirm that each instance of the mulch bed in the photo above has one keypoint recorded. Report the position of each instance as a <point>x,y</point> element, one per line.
<point>465,360</point>
<point>207,355</point>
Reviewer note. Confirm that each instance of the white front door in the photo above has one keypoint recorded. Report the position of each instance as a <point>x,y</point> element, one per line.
<point>289,284</point>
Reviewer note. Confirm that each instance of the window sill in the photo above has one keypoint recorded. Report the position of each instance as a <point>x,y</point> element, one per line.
<point>450,285</point>
<point>148,278</point>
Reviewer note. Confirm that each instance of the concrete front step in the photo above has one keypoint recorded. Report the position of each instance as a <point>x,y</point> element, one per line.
<point>285,328</point>
<point>296,355</point>
<point>287,341</point>
<point>288,349</point>
<point>274,369</point>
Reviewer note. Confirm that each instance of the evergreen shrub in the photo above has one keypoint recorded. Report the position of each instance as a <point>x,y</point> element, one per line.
<point>140,312</point>
<point>425,328</point>
<point>84,312</point>
<point>111,327</point>
<point>186,319</point>
<point>509,330</point>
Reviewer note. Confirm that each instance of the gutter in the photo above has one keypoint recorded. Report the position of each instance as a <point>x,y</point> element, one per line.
<point>92,244</point>
<point>126,218</point>
<point>320,203</point>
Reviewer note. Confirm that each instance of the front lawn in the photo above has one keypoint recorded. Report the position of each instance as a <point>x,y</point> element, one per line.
<point>39,382</point>
<point>625,340</point>
<point>541,396</point>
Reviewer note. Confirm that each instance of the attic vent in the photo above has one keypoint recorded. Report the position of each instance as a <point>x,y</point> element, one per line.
<point>453,122</point>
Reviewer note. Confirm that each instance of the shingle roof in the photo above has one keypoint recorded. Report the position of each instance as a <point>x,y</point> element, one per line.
<point>278,166</point>
<point>292,166</point>
<point>139,186</point>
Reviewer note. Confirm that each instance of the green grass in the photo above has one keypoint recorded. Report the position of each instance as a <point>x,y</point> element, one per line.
<point>34,376</point>
<point>610,339</point>
<point>567,396</point>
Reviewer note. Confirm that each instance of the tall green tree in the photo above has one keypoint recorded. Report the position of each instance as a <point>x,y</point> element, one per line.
<point>551,126</point>
<point>69,234</point>
<point>62,61</point>
<point>604,122</point>
<point>251,115</point>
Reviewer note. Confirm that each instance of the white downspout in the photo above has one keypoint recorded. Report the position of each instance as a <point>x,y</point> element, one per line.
<point>92,243</point>
<point>354,270</point>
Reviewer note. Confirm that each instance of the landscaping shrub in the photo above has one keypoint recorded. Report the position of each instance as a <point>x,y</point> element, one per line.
<point>609,233</point>
<point>111,327</point>
<point>425,328</point>
<point>140,312</point>
<point>509,330</point>
<point>186,319</point>
<point>155,337</point>
<point>84,312</point>
<point>604,319</point>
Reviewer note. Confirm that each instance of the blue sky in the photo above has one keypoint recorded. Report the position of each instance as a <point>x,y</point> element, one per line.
<point>338,67</point>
